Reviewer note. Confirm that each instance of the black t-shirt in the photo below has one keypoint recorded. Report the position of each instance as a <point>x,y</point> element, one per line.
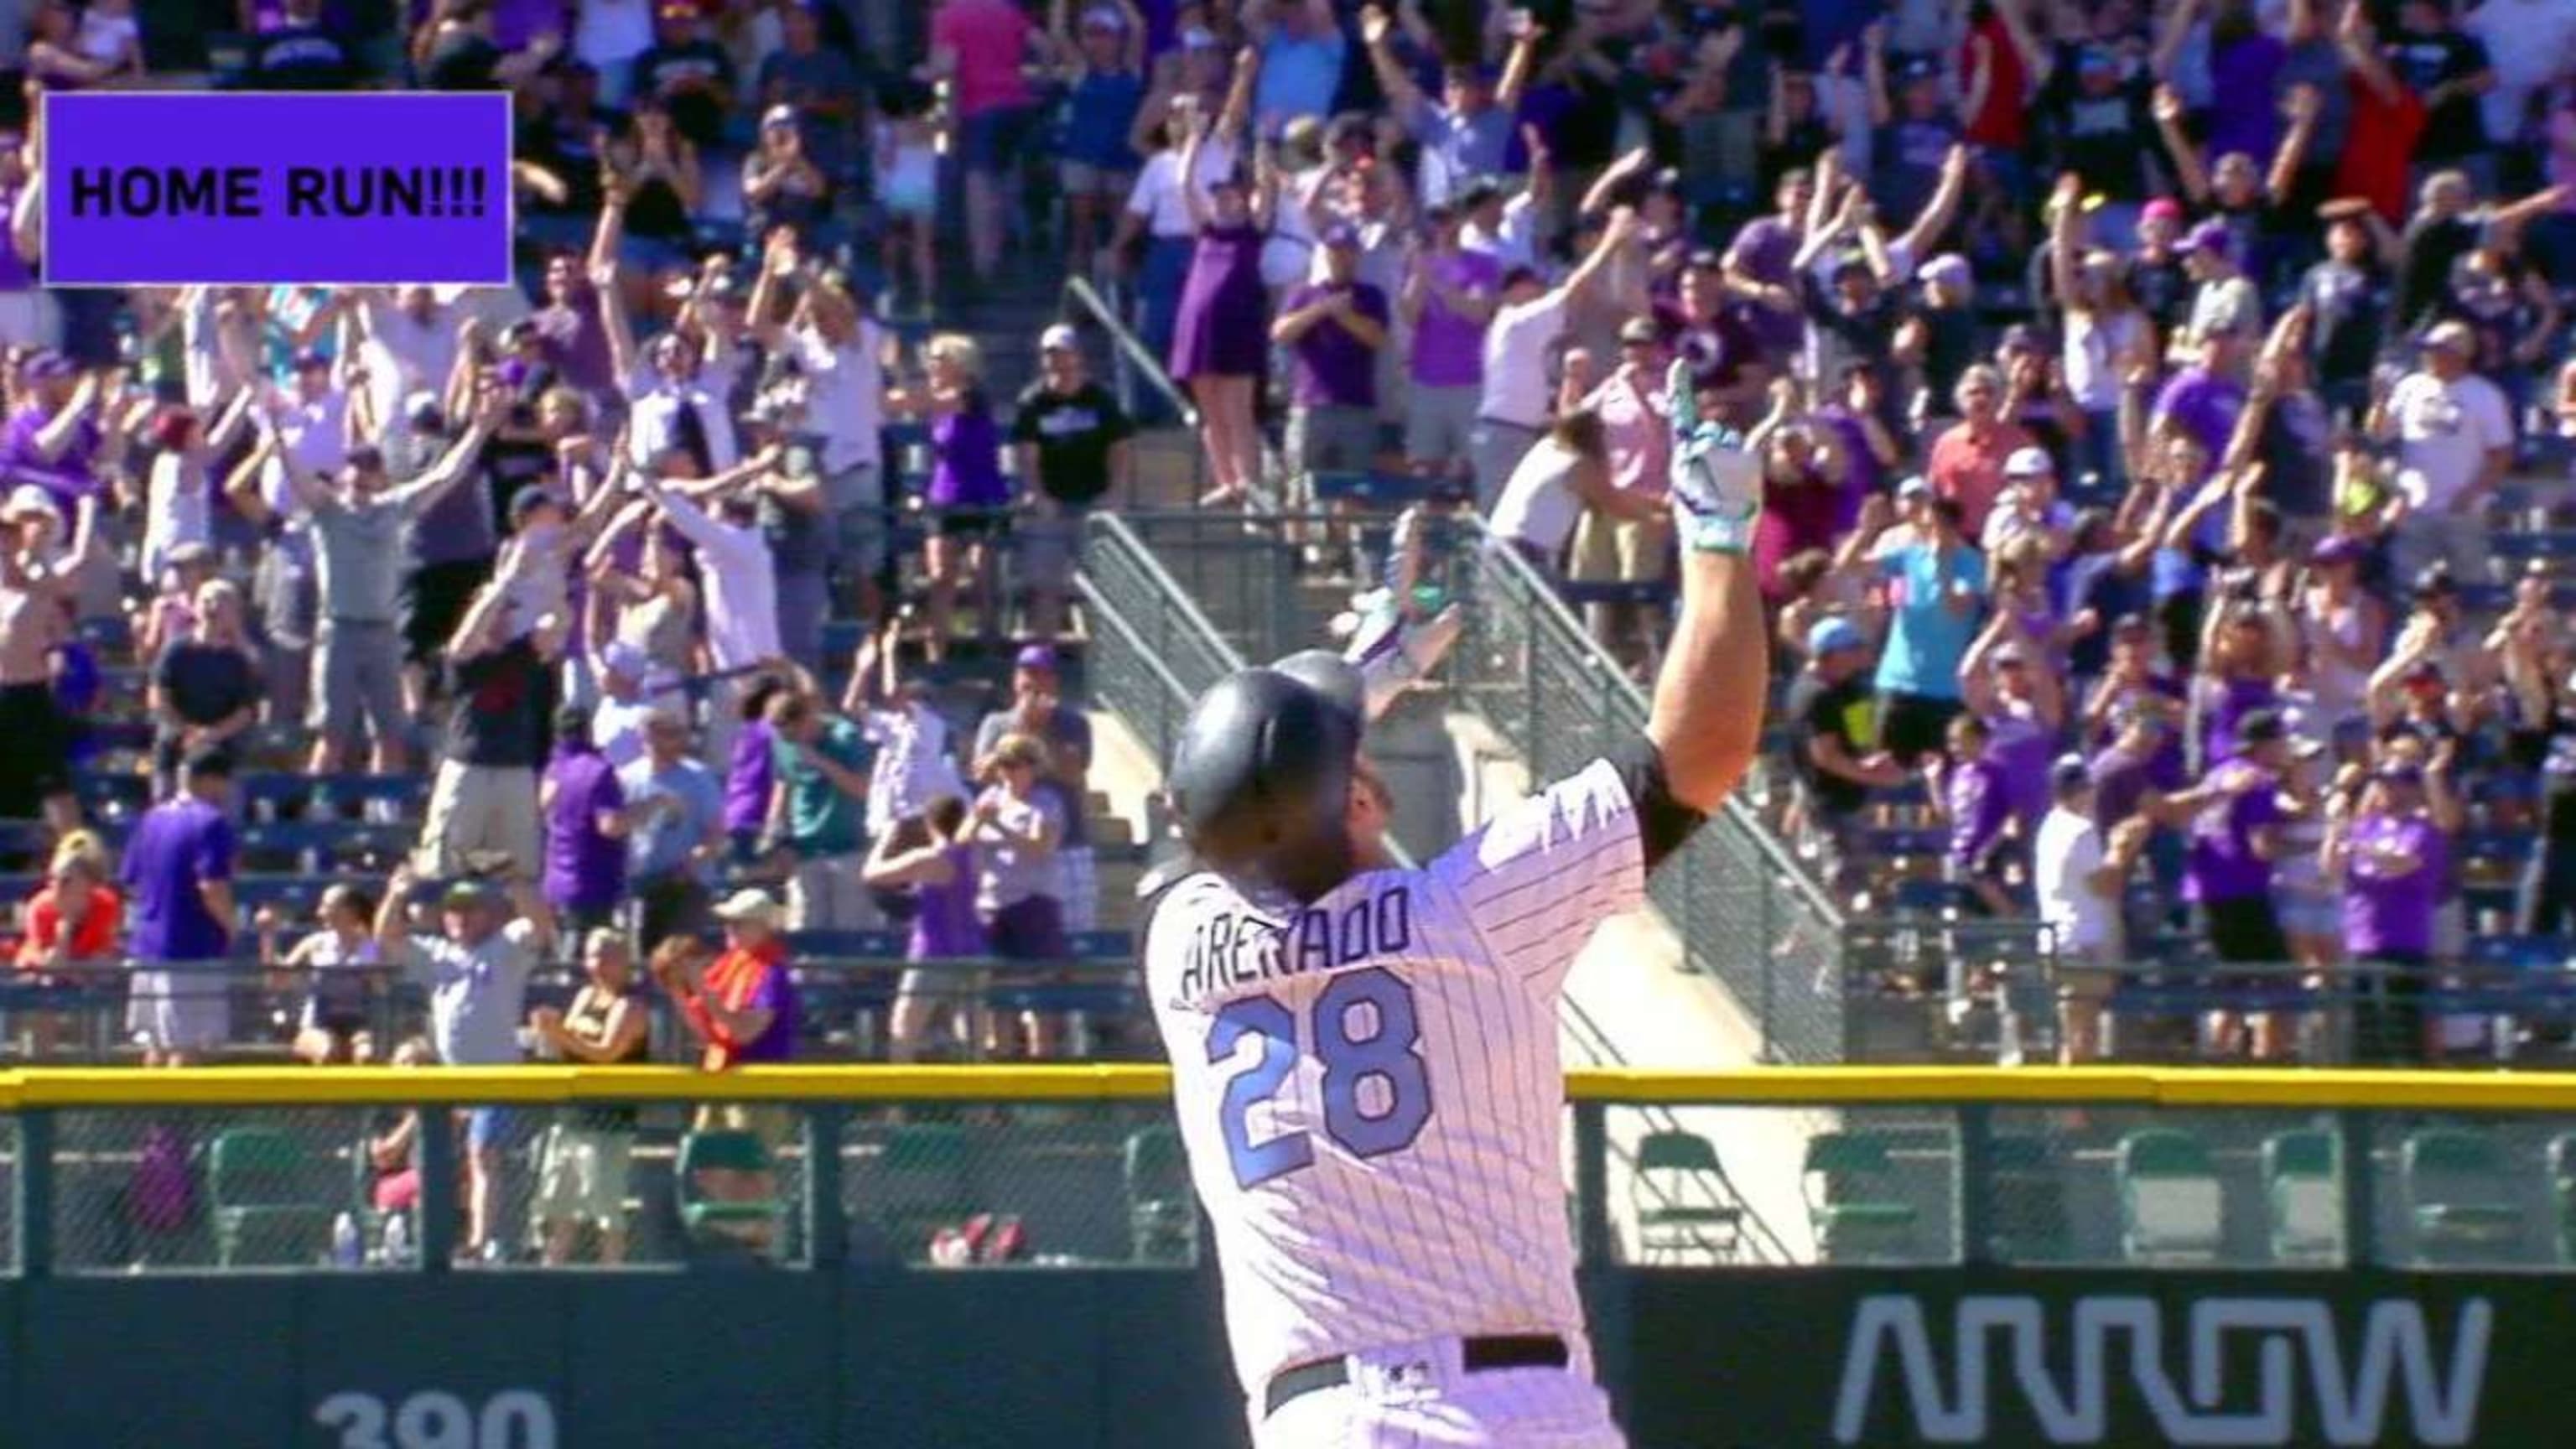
<point>2456,127</point>
<point>2104,138</point>
<point>695,112</point>
<point>1818,710</point>
<point>206,683</point>
<point>2162,287</point>
<point>1949,349</point>
<point>301,58</point>
<point>2351,310</point>
<point>461,61</point>
<point>502,700</point>
<point>1073,434</point>
<point>2426,251</point>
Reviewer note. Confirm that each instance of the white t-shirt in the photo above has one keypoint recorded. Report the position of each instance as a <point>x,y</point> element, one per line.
<point>2069,848</point>
<point>2444,432</point>
<point>1539,506</point>
<point>1157,196</point>
<point>1512,244</point>
<point>844,396</point>
<point>1517,353</point>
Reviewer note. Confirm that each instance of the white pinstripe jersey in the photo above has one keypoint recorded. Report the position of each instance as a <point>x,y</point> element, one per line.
<point>1369,1088</point>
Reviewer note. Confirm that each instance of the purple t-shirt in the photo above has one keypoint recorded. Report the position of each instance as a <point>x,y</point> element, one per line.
<point>945,926</point>
<point>2230,701</point>
<point>1334,370</point>
<point>2223,865</point>
<point>1764,251</point>
<point>2204,405</point>
<point>69,476</point>
<point>1980,802</point>
<point>576,342</point>
<point>748,778</point>
<point>1449,350</point>
<point>2392,912</point>
<point>179,845</point>
<point>585,870</point>
<point>966,454</point>
<point>2019,746</point>
<point>776,994</point>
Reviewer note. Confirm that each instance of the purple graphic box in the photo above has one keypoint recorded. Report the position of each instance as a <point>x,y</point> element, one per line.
<point>244,188</point>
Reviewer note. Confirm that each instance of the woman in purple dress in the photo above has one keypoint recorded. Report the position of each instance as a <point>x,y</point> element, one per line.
<point>967,492</point>
<point>1221,338</point>
<point>930,857</point>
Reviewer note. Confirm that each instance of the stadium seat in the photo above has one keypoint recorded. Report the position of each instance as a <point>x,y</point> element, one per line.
<point>2562,1194</point>
<point>708,1217</point>
<point>1853,1207</point>
<point>2027,1196</point>
<point>1369,489</point>
<point>920,1184</point>
<point>2170,1205</point>
<point>1162,1213</point>
<point>2459,1199</point>
<point>268,1210</point>
<point>1667,1193</point>
<point>2303,1198</point>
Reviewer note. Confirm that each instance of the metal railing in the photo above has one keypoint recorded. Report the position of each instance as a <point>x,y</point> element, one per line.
<point>1746,910</point>
<point>122,1171</point>
<point>1130,364</point>
<point>1153,653</point>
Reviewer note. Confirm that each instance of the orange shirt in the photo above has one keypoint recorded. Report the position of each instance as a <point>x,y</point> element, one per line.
<point>95,939</point>
<point>742,979</point>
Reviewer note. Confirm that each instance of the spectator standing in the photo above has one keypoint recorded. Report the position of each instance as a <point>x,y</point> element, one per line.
<point>476,967</point>
<point>205,689</point>
<point>1102,66</point>
<point>335,1024</point>
<point>1966,465</point>
<point>1017,827</point>
<point>967,493</point>
<point>743,1008</point>
<point>586,824</point>
<point>1467,132</point>
<point>2454,436</point>
<point>178,873</point>
<point>2234,817</point>
<point>979,46</point>
<point>1550,489</point>
<point>1071,437</point>
<point>936,864</point>
<point>1221,334</point>
<point>1834,751</point>
<point>2079,872</point>
<point>483,801</point>
<point>1037,710</point>
<point>741,583</point>
<point>675,807</point>
<point>1972,796</point>
<point>1936,585</point>
<point>1158,211</point>
<point>37,588</point>
<point>1333,329</point>
<point>817,811</point>
<point>582,1175</point>
<point>1637,432</point>
<point>1520,347</point>
<point>1447,300</point>
<point>2391,849</point>
<point>840,352</point>
<point>75,919</point>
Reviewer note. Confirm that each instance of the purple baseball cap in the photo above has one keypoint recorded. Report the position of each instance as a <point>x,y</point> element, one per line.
<point>1035,656</point>
<point>2212,237</point>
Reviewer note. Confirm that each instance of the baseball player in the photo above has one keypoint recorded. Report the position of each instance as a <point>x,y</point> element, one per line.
<point>1365,1058</point>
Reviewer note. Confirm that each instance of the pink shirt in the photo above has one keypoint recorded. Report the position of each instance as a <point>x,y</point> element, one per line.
<point>1639,434</point>
<point>988,37</point>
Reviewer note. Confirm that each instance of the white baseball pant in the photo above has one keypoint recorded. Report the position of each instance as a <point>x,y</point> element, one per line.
<point>1418,1396</point>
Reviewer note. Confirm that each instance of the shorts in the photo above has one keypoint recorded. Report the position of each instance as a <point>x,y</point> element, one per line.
<point>1083,178</point>
<point>480,809</point>
<point>1440,426</point>
<point>972,524</point>
<point>189,1010</point>
<point>989,141</point>
<point>2086,973</point>
<point>825,894</point>
<point>1622,550</point>
<point>2246,931</point>
<point>1046,546</point>
<point>2308,913</point>
<point>37,763</point>
<point>1332,439</point>
<point>584,1175</point>
<point>486,1128</point>
<point>857,498</point>
<point>1912,726</point>
<point>435,598</point>
<point>1029,930</point>
<point>357,675</point>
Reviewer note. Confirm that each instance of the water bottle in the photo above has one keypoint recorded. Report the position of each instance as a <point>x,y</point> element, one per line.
<point>398,1239</point>
<point>348,1249</point>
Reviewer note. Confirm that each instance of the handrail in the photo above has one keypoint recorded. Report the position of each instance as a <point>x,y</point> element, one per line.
<point>1161,578</point>
<point>1130,348</point>
<point>2185,1088</point>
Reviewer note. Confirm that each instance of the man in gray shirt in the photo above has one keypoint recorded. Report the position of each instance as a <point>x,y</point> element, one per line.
<point>358,521</point>
<point>476,969</point>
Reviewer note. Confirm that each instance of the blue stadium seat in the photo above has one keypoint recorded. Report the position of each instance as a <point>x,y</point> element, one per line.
<point>831,945</point>
<point>1369,489</point>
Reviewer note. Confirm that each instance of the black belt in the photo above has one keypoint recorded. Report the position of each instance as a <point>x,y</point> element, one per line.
<point>1477,1355</point>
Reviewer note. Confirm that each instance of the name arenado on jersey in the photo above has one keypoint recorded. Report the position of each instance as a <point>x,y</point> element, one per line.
<point>1234,947</point>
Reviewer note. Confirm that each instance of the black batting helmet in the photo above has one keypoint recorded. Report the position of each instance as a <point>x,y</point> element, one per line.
<point>1262,778</point>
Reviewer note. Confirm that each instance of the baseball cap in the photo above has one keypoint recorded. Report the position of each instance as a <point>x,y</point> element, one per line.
<point>1948,269</point>
<point>1341,234</point>
<point>1640,329</point>
<point>48,363</point>
<point>2435,580</point>
<point>778,117</point>
<point>469,892</point>
<point>2069,772</point>
<point>749,905</point>
<point>1829,636</point>
<point>311,362</point>
<point>1912,488</point>
<point>2452,336</point>
<point>2401,772</point>
<point>30,500</point>
<point>1035,656</point>
<point>2012,653</point>
<point>1706,259</point>
<point>1479,191</point>
<point>1104,17</point>
<point>2029,463</point>
<point>2341,548</point>
<point>2212,237</point>
<point>1199,37</point>
<point>626,659</point>
<point>2129,625</point>
<point>528,500</point>
<point>2162,208</point>
<point>1059,338</point>
<point>2260,727</point>
<point>2423,671</point>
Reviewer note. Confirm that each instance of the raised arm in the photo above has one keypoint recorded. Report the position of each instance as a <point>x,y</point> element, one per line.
<point>2302,105</point>
<point>1704,722</point>
<point>1941,210</point>
<point>1377,29</point>
<point>1517,68</point>
<point>2191,171</point>
<point>457,462</point>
